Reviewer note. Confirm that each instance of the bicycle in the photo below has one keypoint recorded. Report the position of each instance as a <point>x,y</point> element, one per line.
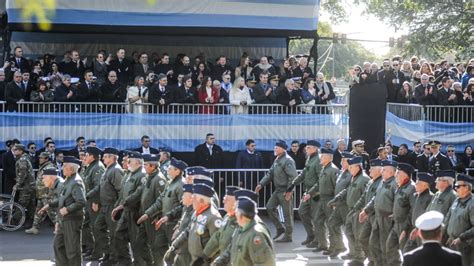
<point>12,214</point>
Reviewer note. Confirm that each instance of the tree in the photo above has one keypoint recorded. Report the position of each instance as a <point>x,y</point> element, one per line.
<point>435,27</point>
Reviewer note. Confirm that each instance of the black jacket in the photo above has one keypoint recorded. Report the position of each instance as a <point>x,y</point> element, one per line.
<point>204,158</point>
<point>181,95</point>
<point>422,163</point>
<point>13,93</point>
<point>72,69</point>
<point>155,95</point>
<point>123,69</point>
<point>152,150</point>
<point>109,92</point>
<point>432,254</point>
<point>442,97</point>
<point>60,94</point>
<point>246,160</point>
<point>88,94</point>
<point>9,173</point>
<point>440,162</point>
<point>420,95</point>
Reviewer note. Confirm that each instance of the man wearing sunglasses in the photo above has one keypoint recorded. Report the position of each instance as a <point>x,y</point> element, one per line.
<point>460,220</point>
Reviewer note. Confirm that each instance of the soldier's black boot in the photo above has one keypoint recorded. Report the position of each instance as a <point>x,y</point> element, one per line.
<point>279,232</point>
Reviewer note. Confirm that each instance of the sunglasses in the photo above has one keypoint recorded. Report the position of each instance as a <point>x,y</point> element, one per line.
<point>450,150</point>
<point>458,186</point>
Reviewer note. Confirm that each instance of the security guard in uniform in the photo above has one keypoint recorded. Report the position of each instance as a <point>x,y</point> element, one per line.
<point>445,196</point>
<point>460,220</point>
<point>309,177</point>
<point>25,180</point>
<point>253,244</point>
<point>71,203</point>
<point>281,173</point>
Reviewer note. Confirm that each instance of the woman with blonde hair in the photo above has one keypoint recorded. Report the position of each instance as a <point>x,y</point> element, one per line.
<point>137,94</point>
<point>239,97</point>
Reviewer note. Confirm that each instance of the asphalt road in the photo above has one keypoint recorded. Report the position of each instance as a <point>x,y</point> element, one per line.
<point>18,248</point>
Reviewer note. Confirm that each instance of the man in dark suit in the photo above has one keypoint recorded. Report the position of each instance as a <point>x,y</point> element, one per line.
<point>431,253</point>
<point>160,93</point>
<point>262,93</point>
<point>417,150</point>
<point>437,161</point>
<point>296,152</point>
<point>337,157</point>
<point>395,81</point>
<point>422,161</point>
<point>164,67</point>
<point>14,92</point>
<point>33,155</point>
<point>3,84</point>
<point>445,95</point>
<point>88,90</point>
<point>220,68</point>
<point>66,92</point>
<point>249,159</point>
<point>209,154</point>
<point>403,156</point>
<point>26,84</point>
<point>122,67</point>
<point>145,148</point>
<point>142,69</point>
<point>9,168</point>
<point>186,93</point>
<point>80,146</point>
<point>303,70</point>
<point>425,92</point>
<point>18,62</point>
<point>289,97</point>
<point>454,160</point>
<point>75,68</point>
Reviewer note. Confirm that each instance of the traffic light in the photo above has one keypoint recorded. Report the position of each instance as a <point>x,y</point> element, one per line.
<point>391,42</point>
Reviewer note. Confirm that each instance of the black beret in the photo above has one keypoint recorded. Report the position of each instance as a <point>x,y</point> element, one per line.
<point>465,178</point>
<point>71,159</point>
<point>20,147</point>
<point>326,151</point>
<point>199,170</point>
<point>135,155</point>
<point>203,189</point>
<point>247,205</point>
<point>165,149</point>
<point>230,190</point>
<point>246,193</point>
<point>355,160</point>
<point>347,155</point>
<point>150,158</point>
<point>188,188</point>
<point>281,144</point>
<point>407,168</point>
<point>178,164</point>
<point>445,173</point>
<point>93,150</point>
<point>313,142</point>
<point>389,163</point>
<point>208,182</point>
<point>110,150</point>
<point>425,177</point>
<point>50,171</point>
<point>375,162</point>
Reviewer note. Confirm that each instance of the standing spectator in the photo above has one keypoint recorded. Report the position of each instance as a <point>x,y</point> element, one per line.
<point>425,93</point>
<point>185,68</point>
<point>426,69</point>
<point>309,95</point>
<point>328,144</point>
<point>415,78</point>
<point>239,97</point>
<point>264,66</point>
<point>137,94</point>
<point>297,153</point>
<point>422,161</point>
<point>289,97</point>
<point>437,161</point>
<point>417,150</point>
<point>9,168</point>
<point>467,159</point>
<point>445,95</point>
<point>406,70</point>
<point>396,79</point>
<point>226,83</point>
<point>383,74</point>
<point>14,92</point>
<point>390,155</point>
<point>324,89</point>
<point>262,93</point>
<point>186,93</point>
<point>66,92</point>
<point>145,148</point>
<point>405,94</point>
<point>207,95</point>
<point>164,67</point>
<point>454,160</point>
<point>209,154</point>
<point>337,157</point>
<point>249,159</point>
<point>221,67</point>
<point>112,90</point>
<point>244,69</point>
<point>42,94</point>
<point>26,85</point>
<point>18,62</point>
<point>160,93</point>
<point>303,70</point>
<point>32,154</point>
<point>55,77</point>
<point>142,69</point>
<point>468,97</point>
<point>200,72</point>
<point>286,71</point>
<point>467,75</point>
<point>88,89</point>
<point>80,147</point>
<point>2,85</point>
<point>122,67</point>
<point>403,156</point>
<point>100,68</point>
<point>223,95</point>
<point>75,67</point>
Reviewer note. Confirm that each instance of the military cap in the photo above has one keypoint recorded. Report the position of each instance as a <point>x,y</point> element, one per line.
<point>297,80</point>
<point>425,177</point>
<point>71,159</point>
<point>50,171</point>
<point>45,154</point>
<point>407,168</point>
<point>135,155</point>
<point>429,221</point>
<point>355,160</point>
<point>347,155</point>
<point>274,77</point>
<point>434,143</point>
<point>178,164</point>
<point>375,162</point>
<point>8,143</point>
<point>203,189</point>
<point>230,190</point>
<point>465,178</point>
<point>380,149</point>
<point>445,173</point>
<point>206,181</point>
<point>199,170</point>
<point>247,205</point>
<point>150,158</point>
<point>389,163</point>
<point>110,150</point>
<point>246,193</point>
<point>326,151</point>
<point>124,153</point>
<point>358,142</point>
<point>282,144</point>
<point>188,188</point>
<point>93,150</point>
<point>314,143</point>
<point>251,80</point>
<point>20,147</point>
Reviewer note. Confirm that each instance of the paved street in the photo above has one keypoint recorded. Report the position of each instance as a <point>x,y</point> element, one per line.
<point>18,248</point>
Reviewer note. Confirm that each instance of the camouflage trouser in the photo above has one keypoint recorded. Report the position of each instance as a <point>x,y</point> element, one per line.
<point>39,218</point>
<point>26,199</point>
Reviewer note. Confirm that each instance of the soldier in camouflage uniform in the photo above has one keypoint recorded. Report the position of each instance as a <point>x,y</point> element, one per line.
<point>43,195</point>
<point>25,180</point>
<point>281,173</point>
<point>460,220</point>
<point>308,177</point>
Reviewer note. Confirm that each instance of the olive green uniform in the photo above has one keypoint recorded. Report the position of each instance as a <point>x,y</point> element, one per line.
<point>281,173</point>
<point>252,246</point>
<point>43,197</point>
<point>422,201</point>
<point>164,169</point>
<point>442,201</point>
<point>25,184</point>
<point>182,253</point>
<point>151,248</point>
<point>171,200</point>
<point>91,176</point>
<point>67,241</point>
<point>340,209</point>
<point>402,208</point>
<point>221,240</point>
<point>309,177</point>
<point>460,224</point>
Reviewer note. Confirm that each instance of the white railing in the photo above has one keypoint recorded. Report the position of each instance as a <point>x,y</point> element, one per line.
<point>438,113</point>
<point>2,106</point>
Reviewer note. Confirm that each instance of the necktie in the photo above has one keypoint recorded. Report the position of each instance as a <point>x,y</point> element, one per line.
<point>18,61</point>
<point>23,86</point>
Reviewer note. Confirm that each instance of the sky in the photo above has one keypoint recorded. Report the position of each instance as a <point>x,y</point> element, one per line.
<point>359,26</point>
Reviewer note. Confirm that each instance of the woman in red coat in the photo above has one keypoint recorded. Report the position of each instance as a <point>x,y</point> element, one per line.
<point>208,96</point>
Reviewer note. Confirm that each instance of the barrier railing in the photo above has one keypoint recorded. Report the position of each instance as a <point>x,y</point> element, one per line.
<point>72,107</point>
<point>437,113</point>
<point>2,106</point>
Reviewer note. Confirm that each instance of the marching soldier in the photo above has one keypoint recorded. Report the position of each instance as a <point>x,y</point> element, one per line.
<point>103,198</point>
<point>151,250</point>
<point>93,171</point>
<point>445,196</point>
<point>165,161</point>
<point>402,206</point>
<point>326,186</point>
<point>309,177</point>
<point>460,220</point>
<point>71,203</point>
<point>199,174</point>
<point>25,180</point>
<point>43,195</point>
<point>437,160</point>
<point>253,244</point>
<point>55,184</point>
<point>281,173</point>
<point>125,212</point>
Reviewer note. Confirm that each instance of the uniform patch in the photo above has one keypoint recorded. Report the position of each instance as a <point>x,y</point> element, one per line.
<point>161,182</point>
<point>218,223</point>
<point>257,240</point>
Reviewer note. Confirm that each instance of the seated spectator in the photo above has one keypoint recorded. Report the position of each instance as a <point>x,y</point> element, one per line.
<point>406,93</point>
<point>74,67</point>
<point>160,93</point>
<point>14,92</point>
<point>303,71</point>
<point>289,97</point>
<point>425,93</point>
<point>244,69</point>
<point>239,97</point>
<point>200,72</point>
<point>42,94</point>
<point>467,159</point>
<point>445,95</point>
<point>137,94</point>
<point>207,95</point>
<point>142,69</point>
<point>100,68</point>
<point>122,67</point>
<point>264,66</point>
<point>324,89</point>
<point>220,68</point>
<point>55,77</point>
<point>88,89</point>
<point>186,93</point>
<point>112,90</point>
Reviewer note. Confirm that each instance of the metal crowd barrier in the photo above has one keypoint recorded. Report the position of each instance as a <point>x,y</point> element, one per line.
<point>72,107</point>
<point>437,113</point>
<point>2,106</point>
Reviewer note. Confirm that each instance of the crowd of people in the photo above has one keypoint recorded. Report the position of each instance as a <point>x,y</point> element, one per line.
<point>146,206</point>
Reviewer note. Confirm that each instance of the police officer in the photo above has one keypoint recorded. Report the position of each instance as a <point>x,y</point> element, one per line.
<point>71,203</point>
<point>382,205</point>
<point>437,160</point>
<point>309,177</point>
<point>93,171</point>
<point>253,244</point>
<point>445,196</point>
<point>460,220</point>
<point>326,186</point>
<point>151,250</point>
<point>402,206</point>
<point>126,210</point>
<point>25,180</point>
<point>103,198</point>
<point>372,252</point>
<point>281,173</point>
<point>43,195</point>
<point>340,208</point>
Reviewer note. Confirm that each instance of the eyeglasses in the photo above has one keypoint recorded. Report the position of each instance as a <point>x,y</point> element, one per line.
<point>459,185</point>
<point>33,148</point>
<point>386,65</point>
